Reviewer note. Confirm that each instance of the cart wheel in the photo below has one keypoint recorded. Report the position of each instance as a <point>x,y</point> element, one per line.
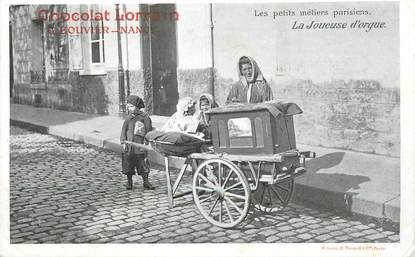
<point>273,197</point>
<point>221,192</point>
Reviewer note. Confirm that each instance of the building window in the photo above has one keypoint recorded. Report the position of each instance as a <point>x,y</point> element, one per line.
<point>97,38</point>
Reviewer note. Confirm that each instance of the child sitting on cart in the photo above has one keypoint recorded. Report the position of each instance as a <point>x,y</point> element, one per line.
<point>184,119</point>
<point>181,135</point>
<point>134,129</point>
<point>206,102</point>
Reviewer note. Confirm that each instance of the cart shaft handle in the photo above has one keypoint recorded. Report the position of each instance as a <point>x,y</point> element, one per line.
<point>138,145</point>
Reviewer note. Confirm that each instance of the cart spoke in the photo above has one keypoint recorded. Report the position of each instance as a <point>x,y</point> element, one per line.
<point>228,211</point>
<point>220,211</point>
<point>213,206</point>
<point>221,192</point>
<point>234,205</point>
<point>204,188</point>
<point>207,198</point>
<point>227,178</point>
<point>208,182</point>
<point>220,173</point>
<point>278,196</point>
<point>270,196</point>
<point>233,186</point>
<point>235,195</point>
<point>282,188</point>
<point>262,196</point>
<point>211,175</point>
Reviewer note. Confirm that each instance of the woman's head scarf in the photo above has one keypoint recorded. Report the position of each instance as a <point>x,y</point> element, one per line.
<point>256,72</point>
<point>210,99</point>
<point>202,116</point>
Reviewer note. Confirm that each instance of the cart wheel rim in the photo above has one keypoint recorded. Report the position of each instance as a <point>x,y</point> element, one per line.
<point>221,193</point>
<point>273,197</point>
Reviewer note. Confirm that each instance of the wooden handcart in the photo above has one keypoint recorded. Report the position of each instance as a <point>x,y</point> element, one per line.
<point>252,160</point>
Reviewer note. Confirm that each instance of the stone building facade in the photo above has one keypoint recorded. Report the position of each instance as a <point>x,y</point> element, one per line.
<point>57,67</point>
<point>346,81</point>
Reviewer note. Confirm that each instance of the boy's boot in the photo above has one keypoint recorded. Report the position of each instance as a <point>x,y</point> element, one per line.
<point>129,182</point>
<point>146,183</point>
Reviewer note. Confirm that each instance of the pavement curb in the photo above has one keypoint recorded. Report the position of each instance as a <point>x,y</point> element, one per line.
<point>387,211</point>
<point>31,126</point>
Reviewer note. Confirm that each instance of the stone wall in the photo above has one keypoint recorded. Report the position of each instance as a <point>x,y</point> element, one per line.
<point>140,84</point>
<point>22,93</point>
<point>21,28</point>
<point>90,94</point>
<point>96,94</point>
<point>358,115</point>
<point>99,94</point>
<point>93,94</point>
<point>194,82</point>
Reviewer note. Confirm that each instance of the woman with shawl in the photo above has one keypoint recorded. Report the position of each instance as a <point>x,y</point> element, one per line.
<point>252,86</point>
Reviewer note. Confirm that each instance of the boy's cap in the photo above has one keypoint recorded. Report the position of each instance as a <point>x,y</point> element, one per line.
<point>136,101</point>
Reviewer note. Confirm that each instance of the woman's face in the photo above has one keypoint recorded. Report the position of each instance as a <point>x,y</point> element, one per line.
<point>246,70</point>
<point>204,105</point>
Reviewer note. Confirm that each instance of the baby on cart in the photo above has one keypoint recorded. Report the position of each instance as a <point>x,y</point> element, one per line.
<point>184,119</point>
<point>186,130</point>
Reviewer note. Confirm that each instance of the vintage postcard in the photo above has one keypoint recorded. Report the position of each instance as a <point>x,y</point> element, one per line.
<point>207,129</point>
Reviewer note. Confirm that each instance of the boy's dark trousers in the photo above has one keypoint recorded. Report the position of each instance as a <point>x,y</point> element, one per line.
<point>135,162</point>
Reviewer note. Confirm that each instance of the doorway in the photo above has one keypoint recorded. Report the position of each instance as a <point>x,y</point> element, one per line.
<point>163,48</point>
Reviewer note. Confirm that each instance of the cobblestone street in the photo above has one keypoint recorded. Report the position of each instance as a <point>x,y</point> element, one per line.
<point>65,192</point>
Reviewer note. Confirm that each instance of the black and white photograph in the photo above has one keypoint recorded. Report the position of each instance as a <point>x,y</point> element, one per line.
<point>207,129</point>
